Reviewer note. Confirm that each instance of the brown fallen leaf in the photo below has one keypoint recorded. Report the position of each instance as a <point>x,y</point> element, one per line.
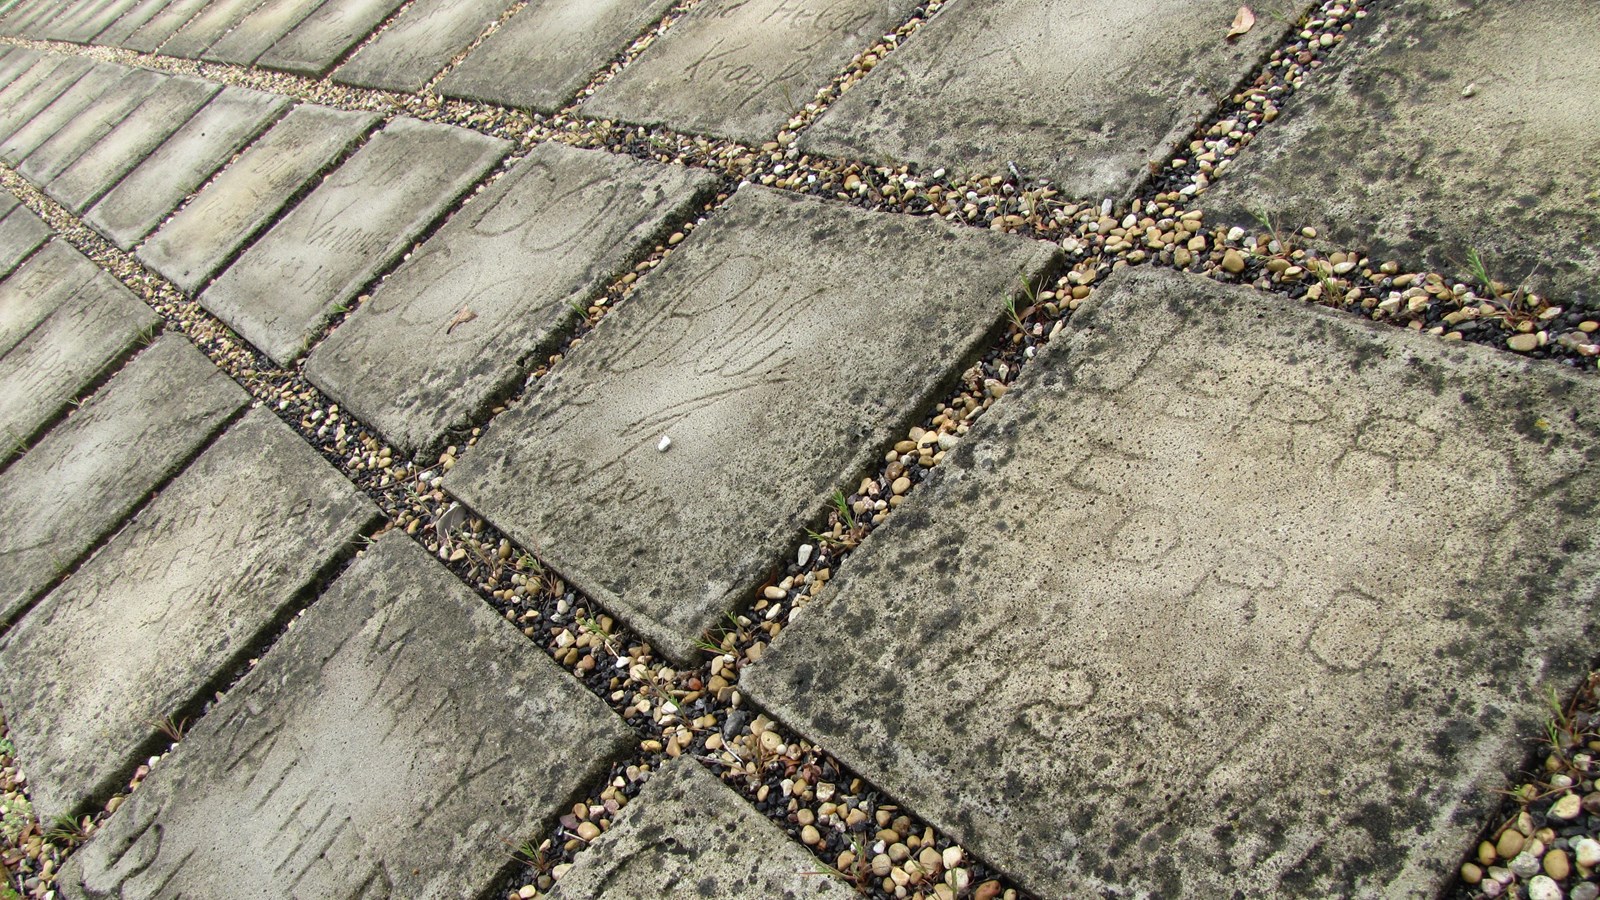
<point>1242,22</point>
<point>462,318</point>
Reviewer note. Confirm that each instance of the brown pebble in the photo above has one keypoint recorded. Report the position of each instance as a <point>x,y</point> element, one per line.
<point>1556,864</point>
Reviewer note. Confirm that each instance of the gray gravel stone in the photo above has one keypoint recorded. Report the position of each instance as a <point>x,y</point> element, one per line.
<point>33,292</point>
<point>740,68</point>
<point>204,235</point>
<point>89,125</point>
<point>89,473</point>
<point>1085,95</point>
<point>688,835</point>
<point>356,223</point>
<point>398,698</point>
<point>548,236</point>
<point>95,79</point>
<point>419,44</point>
<point>324,38</point>
<point>771,348</point>
<point>1200,608</point>
<point>21,233</point>
<point>259,31</point>
<point>543,55</point>
<point>170,607</point>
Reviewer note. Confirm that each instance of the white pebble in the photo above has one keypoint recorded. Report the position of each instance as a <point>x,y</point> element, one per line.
<point>804,556</point>
<point>665,443</point>
<point>1543,887</point>
<point>1587,852</point>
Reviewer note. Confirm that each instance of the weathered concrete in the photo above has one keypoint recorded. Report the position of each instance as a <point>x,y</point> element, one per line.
<point>85,338</point>
<point>281,292</point>
<point>1083,94</point>
<point>204,235</point>
<point>88,27</point>
<point>688,835</point>
<point>207,27</point>
<point>259,31</point>
<point>548,236</point>
<point>88,474</point>
<point>543,55</point>
<point>161,26</point>
<point>1226,597</point>
<point>319,42</point>
<point>17,61</point>
<point>349,726</point>
<point>96,79</point>
<point>182,164</point>
<point>99,169</point>
<point>419,44</point>
<point>36,89</point>
<point>21,233</point>
<point>769,349</point>
<point>91,124</point>
<point>1385,150</point>
<point>171,607</point>
<point>33,292</point>
<point>131,21</point>
<point>741,68</point>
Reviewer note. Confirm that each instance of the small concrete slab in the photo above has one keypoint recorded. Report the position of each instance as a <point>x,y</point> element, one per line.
<point>1444,129</point>
<point>548,236</point>
<point>740,69</point>
<point>319,42</point>
<point>99,169</point>
<point>204,235</point>
<point>399,697</point>
<point>74,139</point>
<point>1085,95</point>
<point>95,80</point>
<point>161,26</point>
<point>764,427</point>
<point>1227,597</point>
<point>259,31</point>
<point>35,290</point>
<point>171,608</point>
<point>281,292</point>
<point>182,164</point>
<point>21,233</point>
<point>689,835</point>
<point>207,27</point>
<point>88,474</point>
<point>419,44</point>
<point>541,57</point>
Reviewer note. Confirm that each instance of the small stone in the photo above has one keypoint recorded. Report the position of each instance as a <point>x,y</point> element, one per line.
<point>804,555</point>
<point>664,444</point>
<point>952,857</point>
<point>1587,852</point>
<point>1486,853</point>
<point>1233,261</point>
<point>773,592</point>
<point>882,865</point>
<point>810,836</point>
<point>1523,343</point>
<point>901,485</point>
<point>1568,806</point>
<point>1588,890</point>
<point>588,831</point>
<point>1525,865</point>
<point>1543,888</point>
<point>1556,864</point>
<point>1510,843</point>
<point>1491,888</point>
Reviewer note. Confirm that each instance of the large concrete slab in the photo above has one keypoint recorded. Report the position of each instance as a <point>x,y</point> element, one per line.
<point>688,835</point>
<point>178,168</point>
<point>420,43</point>
<point>1445,128</point>
<point>171,608</point>
<point>281,292</point>
<point>318,43</point>
<point>1226,597</point>
<point>96,79</point>
<point>548,236</point>
<point>88,474</point>
<point>1083,94</point>
<point>82,340</point>
<point>741,68</point>
<point>36,289</point>
<point>760,350</point>
<point>543,55</point>
<point>21,233</point>
<point>94,122</point>
<point>194,244</point>
<point>256,34</point>
<point>207,27</point>
<point>99,169</point>
<point>36,89</point>
<point>349,726</point>
<point>167,20</point>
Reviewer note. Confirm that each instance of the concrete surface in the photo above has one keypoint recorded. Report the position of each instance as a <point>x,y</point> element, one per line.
<point>207,27</point>
<point>61,111</point>
<point>21,233</point>
<point>259,31</point>
<point>129,88</point>
<point>420,43</point>
<point>36,288</point>
<point>323,39</point>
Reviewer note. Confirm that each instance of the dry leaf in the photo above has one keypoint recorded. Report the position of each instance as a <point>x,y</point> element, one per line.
<point>1242,22</point>
<point>462,318</point>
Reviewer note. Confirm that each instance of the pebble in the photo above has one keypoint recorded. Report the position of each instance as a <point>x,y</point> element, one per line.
<point>1556,864</point>
<point>1525,865</point>
<point>1569,806</point>
<point>1233,261</point>
<point>1523,343</point>
<point>1543,888</point>
<point>1510,843</point>
<point>1586,891</point>
<point>1587,852</point>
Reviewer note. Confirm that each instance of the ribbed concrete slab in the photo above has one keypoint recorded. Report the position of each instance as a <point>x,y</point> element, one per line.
<point>96,79</point>
<point>544,54</point>
<point>420,43</point>
<point>259,31</point>
<point>1226,597</point>
<point>16,61</point>
<point>133,20</point>
<point>763,428</point>
<point>548,236</point>
<point>356,223</point>
<point>203,236</point>
<point>1445,128</point>
<point>90,124</point>
<point>741,68</point>
<point>182,164</point>
<point>36,89</point>
<point>104,16</point>
<point>1083,94</point>
<point>319,42</point>
<point>171,608</point>
<point>207,27</point>
<point>687,834</point>
<point>37,288</point>
<point>85,477</point>
<point>21,233</point>
<point>161,26</point>
<point>349,726</point>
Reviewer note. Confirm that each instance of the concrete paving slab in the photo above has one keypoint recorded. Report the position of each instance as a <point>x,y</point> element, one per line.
<point>760,350</point>
<point>688,835</point>
<point>171,608</point>
<point>227,214</point>
<point>181,165</point>
<point>87,475</point>
<point>77,17</point>
<point>91,124</point>
<point>144,129</point>
<point>36,89</point>
<point>38,287</point>
<point>162,25</point>
<point>322,40</point>
<point>17,61</point>
<point>281,292</point>
<point>257,33</point>
<point>74,98</point>
<point>1226,597</point>
<point>543,55</point>
<point>135,19</point>
<point>350,725</point>
<point>21,233</point>
<point>1085,95</point>
<point>551,234</point>
<point>420,43</point>
<point>1445,128</point>
<point>84,339</point>
<point>207,27</point>
<point>741,68</point>
<point>87,29</point>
